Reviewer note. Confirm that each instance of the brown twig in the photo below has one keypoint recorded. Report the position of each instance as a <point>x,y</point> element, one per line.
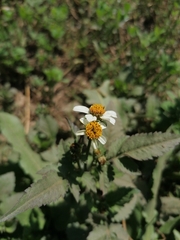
<point>27,107</point>
<point>72,10</point>
<point>125,227</point>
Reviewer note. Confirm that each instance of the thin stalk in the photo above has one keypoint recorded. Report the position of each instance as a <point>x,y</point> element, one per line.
<point>87,154</point>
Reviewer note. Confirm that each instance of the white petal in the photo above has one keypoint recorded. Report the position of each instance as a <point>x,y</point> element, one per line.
<point>103,125</point>
<point>83,120</point>
<point>110,119</point>
<point>94,143</point>
<point>80,132</point>
<point>102,139</point>
<point>82,109</point>
<point>110,114</point>
<point>90,117</point>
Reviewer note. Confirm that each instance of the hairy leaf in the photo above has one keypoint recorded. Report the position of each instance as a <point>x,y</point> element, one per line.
<point>75,190</point>
<point>32,217</point>
<point>99,95</point>
<point>103,179</point>
<point>167,227</point>
<point>126,165</point>
<point>124,181</point>
<point>114,133</point>
<point>7,184</point>
<point>88,181</point>
<point>121,203</point>
<point>9,202</point>
<point>93,96</point>
<point>124,211</point>
<point>148,145</point>
<point>170,205</point>
<point>46,190</point>
<point>115,139</point>
<point>51,155</point>
<point>150,210</point>
<point>47,125</point>
<point>13,130</point>
<point>151,106</point>
<point>44,171</point>
<point>111,232</point>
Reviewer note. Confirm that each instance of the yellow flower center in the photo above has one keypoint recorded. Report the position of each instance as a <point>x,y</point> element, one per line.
<point>97,110</point>
<point>93,130</point>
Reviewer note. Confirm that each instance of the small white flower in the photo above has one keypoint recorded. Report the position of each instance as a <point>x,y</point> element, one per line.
<point>93,130</point>
<point>98,112</point>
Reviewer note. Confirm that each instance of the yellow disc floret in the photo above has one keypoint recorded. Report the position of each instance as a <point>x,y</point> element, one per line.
<point>93,130</point>
<point>97,110</point>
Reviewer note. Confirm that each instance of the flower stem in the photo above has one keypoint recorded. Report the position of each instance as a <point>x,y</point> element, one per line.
<point>87,154</point>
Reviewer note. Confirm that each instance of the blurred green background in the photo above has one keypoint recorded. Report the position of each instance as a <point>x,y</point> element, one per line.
<point>70,46</point>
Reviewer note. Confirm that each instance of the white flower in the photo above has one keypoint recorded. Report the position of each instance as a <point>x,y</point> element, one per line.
<point>98,111</point>
<point>93,130</point>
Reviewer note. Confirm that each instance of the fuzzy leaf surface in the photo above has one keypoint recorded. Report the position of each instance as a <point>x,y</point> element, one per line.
<point>88,181</point>
<point>145,146</point>
<point>167,227</point>
<point>103,179</point>
<point>125,211</point>
<point>150,210</point>
<point>75,190</point>
<point>111,232</point>
<point>46,190</point>
<point>7,184</point>
<point>170,205</point>
<point>121,203</point>
<point>47,125</point>
<point>126,165</point>
<point>13,130</point>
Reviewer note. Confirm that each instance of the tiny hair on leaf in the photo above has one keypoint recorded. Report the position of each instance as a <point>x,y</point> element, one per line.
<point>145,146</point>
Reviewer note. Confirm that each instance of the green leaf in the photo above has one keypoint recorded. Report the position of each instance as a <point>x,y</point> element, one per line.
<point>176,234</point>
<point>102,95</point>
<point>7,184</point>
<point>124,180</point>
<point>145,146</point>
<point>103,179</point>
<point>168,226</point>
<point>151,106</point>
<point>170,205</point>
<point>32,218</point>
<point>61,149</point>
<point>46,190</point>
<point>126,165</point>
<point>47,125</point>
<point>51,155</point>
<point>121,203</point>
<point>111,232</point>
<point>124,211</point>
<point>75,190</point>
<point>115,138</point>
<point>93,96</point>
<point>53,74</point>
<point>150,209</point>
<point>13,130</point>
<point>7,152</point>
<point>9,202</point>
<point>88,181</point>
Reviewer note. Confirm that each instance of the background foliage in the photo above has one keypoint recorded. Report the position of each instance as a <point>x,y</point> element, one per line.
<point>60,53</point>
